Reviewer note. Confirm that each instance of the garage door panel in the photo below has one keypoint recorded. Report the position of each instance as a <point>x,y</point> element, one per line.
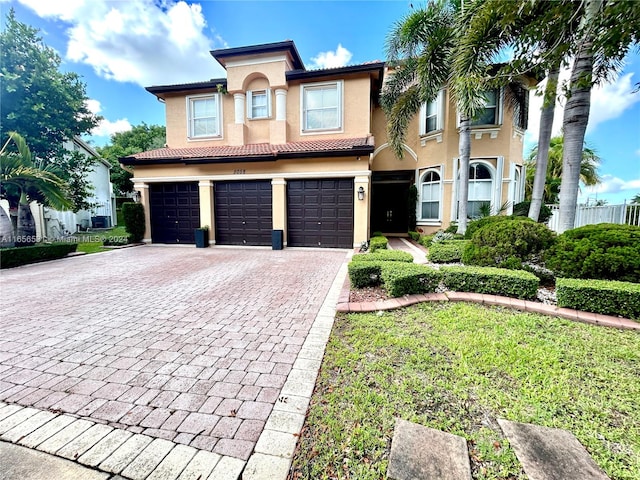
<point>174,212</point>
<point>243,213</point>
<point>320,212</point>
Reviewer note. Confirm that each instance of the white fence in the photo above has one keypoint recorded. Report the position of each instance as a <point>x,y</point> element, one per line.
<point>586,215</point>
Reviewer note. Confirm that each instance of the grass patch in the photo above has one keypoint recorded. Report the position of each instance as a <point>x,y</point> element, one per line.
<point>457,367</point>
<point>92,242</point>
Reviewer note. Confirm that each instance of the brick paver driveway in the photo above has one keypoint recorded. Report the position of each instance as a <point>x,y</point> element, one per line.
<point>184,344</point>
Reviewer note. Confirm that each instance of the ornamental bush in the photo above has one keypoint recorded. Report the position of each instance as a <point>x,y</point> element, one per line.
<point>16,256</point>
<point>522,210</point>
<point>447,252</point>
<point>133,215</point>
<point>517,240</point>
<point>364,274</point>
<point>475,225</point>
<point>600,296</point>
<point>603,251</point>
<point>490,280</point>
<point>377,243</point>
<point>384,255</point>
<point>407,278</point>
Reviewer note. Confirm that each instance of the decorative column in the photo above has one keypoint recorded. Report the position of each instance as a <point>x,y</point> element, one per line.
<point>281,104</point>
<point>279,206</point>
<point>361,212</point>
<point>205,191</point>
<point>239,102</point>
<point>142,189</point>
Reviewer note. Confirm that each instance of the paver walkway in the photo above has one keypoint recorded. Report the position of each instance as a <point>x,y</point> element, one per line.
<point>189,346</point>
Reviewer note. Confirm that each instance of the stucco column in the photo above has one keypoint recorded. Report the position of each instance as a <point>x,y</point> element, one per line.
<point>205,191</point>
<point>143,192</point>
<point>281,104</point>
<point>239,101</point>
<point>361,212</point>
<point>279,206</point>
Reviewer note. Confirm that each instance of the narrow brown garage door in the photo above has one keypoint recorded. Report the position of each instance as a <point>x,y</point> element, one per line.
<point>174,211</point>
<point>320,213</point>
<point>243,213</point>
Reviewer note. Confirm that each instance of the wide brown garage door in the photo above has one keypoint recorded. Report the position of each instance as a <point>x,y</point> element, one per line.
<point>243,213</point>
<point>320,213</point>
<point>175,212</point>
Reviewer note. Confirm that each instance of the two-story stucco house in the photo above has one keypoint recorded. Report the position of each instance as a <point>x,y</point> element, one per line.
<point>275,146</point>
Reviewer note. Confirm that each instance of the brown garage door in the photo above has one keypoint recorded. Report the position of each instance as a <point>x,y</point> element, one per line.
<point>243,213</point>
<point>320,213</point>
<point>174,211</point>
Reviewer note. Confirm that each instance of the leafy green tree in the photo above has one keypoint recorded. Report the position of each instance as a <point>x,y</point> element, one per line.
<point>636,199</point>
<point>140,138</point>
<point>553,178</point>
<point>19,176</point>
<point>45,106</point>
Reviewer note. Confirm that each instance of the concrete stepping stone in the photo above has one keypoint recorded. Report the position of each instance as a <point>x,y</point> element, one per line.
<point>419,452</point>
<point>550,453</point>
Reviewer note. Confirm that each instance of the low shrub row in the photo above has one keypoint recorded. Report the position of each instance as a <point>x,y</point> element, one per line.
<point>384,255</point>
<point>447,252</point>
<point>400,278</point>
<point>378,242</point>
<point>14,257</point>
<point>600,296</point>
<point>491,280</point>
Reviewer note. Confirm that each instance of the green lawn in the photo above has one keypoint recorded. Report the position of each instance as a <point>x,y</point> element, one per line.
<point>92,242</point>
<point>457,367</point>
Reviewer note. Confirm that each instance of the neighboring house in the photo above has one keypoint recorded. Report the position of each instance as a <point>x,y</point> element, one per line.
<point>277,147</point>
<point>102,214</point>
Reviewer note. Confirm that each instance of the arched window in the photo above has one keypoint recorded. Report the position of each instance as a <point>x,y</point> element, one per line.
<point>480,188</point>
<point>430,196</point>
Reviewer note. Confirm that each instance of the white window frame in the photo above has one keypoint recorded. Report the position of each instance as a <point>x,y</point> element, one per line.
<point>339,84</point>
<point>498,107</point>
<point>437,171</point>
<point>439,104</point>
<point>250,98</point>
<point>191,99</point>
<point>492,182</point>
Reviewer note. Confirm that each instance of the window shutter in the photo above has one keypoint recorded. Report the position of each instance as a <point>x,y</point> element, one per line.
<point>249,104</point>
<point>440,109</point>
<point>423,119</point>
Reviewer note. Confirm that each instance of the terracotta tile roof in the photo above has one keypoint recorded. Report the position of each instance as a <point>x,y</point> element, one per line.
<point>256,151</point>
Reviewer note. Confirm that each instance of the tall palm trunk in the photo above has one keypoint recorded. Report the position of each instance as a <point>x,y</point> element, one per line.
<point>26,231</point>
<point>576,118</point>
<point>6,229</point>
<point>464,147</point>
<point>544,140</point>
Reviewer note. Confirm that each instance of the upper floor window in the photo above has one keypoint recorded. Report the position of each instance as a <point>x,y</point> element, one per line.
<point>432,115</point>
<point>204,116</point>
<point>322,106</point>
<point>430,196</point>
<point>490,115</point>
<point>259,104</point>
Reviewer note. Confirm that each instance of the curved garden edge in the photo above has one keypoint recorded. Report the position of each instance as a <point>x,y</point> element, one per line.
<point>344,306</point>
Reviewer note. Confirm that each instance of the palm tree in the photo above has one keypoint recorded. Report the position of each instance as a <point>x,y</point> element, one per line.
<point>635,199</point>
<point>19,175</point>
<point>554,171</point>
<point>422,47</point>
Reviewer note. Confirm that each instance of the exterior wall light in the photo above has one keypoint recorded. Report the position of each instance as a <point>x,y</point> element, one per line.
<point>361,193</point>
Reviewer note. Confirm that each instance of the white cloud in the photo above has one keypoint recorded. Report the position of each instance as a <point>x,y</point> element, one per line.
<point>330,59</point>
<point>611,184</point>
<point>146,42</point>
<point>608,101</point>
<point>106,127</point>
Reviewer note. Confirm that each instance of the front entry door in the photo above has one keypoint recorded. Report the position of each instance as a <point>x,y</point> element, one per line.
<point>389,201</point>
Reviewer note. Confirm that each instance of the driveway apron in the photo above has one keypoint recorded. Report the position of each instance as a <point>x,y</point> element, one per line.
<point>182,344</point>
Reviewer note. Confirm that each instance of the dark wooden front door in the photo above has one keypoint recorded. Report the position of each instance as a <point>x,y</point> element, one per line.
<point>243,213</point>
<point>320,213</point>
<point>174,211</point>
<point>389,201</point>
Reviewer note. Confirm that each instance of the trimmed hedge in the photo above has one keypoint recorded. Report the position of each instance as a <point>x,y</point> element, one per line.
<point>399,278</point>
<point>415,236</point>
<point>377,243</point>
<point>600,296</point>
<point>474,225</point>
<point>134,221</point>
<point>407,278</point>
<point>447,252</point>
<point>425,240</point>
<point>16,256</point>
<point>510,242</point>
<point>491,280</point>
<point>384,255</point>
<point>604,251</point>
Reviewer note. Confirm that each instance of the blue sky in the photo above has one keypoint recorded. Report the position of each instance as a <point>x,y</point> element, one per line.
<point>119,47</point>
